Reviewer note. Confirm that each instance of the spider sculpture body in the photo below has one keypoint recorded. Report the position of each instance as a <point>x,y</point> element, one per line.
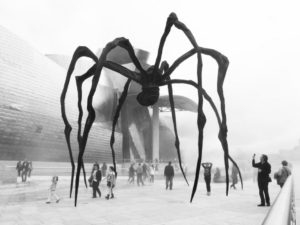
<point>150,80</point>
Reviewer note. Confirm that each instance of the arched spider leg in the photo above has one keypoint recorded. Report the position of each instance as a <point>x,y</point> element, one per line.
<point>79,82</point>
<point>173,20</point>
<point>165,67</point>
<point>201,117</point>
<point>116,117</point>
<point>124,43</point>
<point>212,104</point>
<point>79,52</point>
<point>223,63</point>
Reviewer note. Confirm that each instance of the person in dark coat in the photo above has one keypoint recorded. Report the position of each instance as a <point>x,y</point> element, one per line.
<point>97,176</point>
<point>131,172</point>
<point>145,171</point>
<point>207,175</point>
<point>139,175</point>
<point>19,168</point>
<point>263,179</point>
<point>169,174</point>
<point>25,168</point>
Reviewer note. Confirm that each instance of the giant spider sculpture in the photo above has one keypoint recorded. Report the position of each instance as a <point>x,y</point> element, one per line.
<point>150,80</point>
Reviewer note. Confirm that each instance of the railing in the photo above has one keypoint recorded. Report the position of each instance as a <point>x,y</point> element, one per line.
<point>283,210</point>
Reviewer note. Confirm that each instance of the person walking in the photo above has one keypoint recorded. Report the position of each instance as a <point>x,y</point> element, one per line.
<point>29,169</point>
<point>52,190</point>
<point>25,167</point>
<point>111,182</point>
<point>283,173</point>
<point>19,168</point>
<point>263,179</point>
<point>131,172</point>
<point>169,175</point>
<point>145,171</point>
<point>234,176</point>
<point>104,169</point>
<point>139,175</point>
<point>96,179</point>
<point>152,172</point>
<point>207,175</point>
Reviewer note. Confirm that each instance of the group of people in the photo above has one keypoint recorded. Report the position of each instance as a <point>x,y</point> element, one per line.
<point>142,172</point>
<point>24,169</point>
<point>96,178</point>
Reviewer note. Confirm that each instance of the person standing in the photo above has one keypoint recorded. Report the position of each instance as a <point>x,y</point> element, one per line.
<point>283,173</point>
<point>131,174</point>
<point>263,178</point>
<point>151,172</point>
<point>139,175</point>
<point>169,174</point>
<point>111,182</point>
<point>96,179</point>
<point>145,171</point>
<point>234,176</point>
<point>207,175</point>
<point>29,168</point>
<point>104,169</point>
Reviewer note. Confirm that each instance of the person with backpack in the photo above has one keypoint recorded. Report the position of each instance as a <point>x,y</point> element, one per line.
<point>207,175</point>
<point>283,173</point>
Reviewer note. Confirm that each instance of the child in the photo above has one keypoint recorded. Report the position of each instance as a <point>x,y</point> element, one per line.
<point>52,190</point>
<point>111,182</point>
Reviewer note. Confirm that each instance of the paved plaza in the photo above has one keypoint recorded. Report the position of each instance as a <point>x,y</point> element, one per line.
<point>147,205</point>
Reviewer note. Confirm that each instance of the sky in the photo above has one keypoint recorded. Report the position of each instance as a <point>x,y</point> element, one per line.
<point>260,38</point>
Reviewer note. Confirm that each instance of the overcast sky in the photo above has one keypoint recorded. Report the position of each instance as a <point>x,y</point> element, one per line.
<point>260,38</point>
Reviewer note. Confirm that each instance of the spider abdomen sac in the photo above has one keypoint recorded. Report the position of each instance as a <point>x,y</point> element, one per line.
<point>148,96</point>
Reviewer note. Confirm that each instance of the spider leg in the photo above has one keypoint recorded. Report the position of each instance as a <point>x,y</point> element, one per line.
<point>173,20</point>
<point>201,120</point>
<point>79,82</point>
<point>170,22</point>
<point>116,117</point>
<point>212,104</point>
<point>79,52</point>
<point>177,143</point>
<point>124,43</point>
<point>164,67</point>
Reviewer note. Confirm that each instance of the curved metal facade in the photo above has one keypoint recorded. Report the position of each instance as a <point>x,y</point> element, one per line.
<point>30,116</point>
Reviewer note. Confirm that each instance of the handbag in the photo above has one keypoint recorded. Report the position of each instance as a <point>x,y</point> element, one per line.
<point>269,179</point>
<point>90,181</point>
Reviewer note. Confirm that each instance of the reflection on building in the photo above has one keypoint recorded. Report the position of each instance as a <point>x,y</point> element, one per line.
<point>30,116</point>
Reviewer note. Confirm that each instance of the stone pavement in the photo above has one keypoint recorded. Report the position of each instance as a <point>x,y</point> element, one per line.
<point>147,205</point>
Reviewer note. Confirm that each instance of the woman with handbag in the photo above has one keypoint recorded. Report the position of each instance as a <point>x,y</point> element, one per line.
<point>96,178</point>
